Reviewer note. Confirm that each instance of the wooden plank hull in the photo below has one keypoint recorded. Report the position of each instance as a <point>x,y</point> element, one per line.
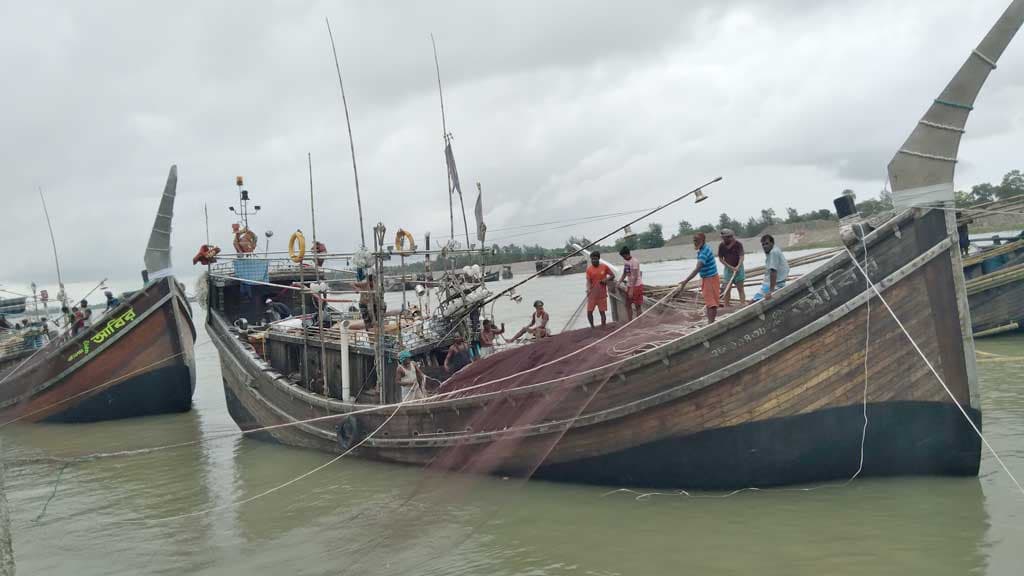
<point>774,394</point>
<point>139,360</point>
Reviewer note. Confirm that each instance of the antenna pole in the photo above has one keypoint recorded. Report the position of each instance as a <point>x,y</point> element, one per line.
<point>206,218</point>
<point>316,268</point>
<point>351,145</point>
<point>56,260</point>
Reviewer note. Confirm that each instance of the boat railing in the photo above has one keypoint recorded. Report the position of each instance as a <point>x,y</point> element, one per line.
<point>413,334</point>
<point>17,342</point>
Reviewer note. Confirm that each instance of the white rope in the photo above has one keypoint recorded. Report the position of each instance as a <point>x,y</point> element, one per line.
<point>867,345</point>
<point>936,374</point>
<point>269,491</point>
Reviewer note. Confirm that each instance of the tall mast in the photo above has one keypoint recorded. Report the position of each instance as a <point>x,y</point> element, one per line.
<point>351,145</point>
<point>444,135</point>
<point>316,268</point>
<point>56,261</point>
<point>449,158</point>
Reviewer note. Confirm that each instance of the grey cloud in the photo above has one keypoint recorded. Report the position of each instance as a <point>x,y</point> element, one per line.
<point>559,109</point>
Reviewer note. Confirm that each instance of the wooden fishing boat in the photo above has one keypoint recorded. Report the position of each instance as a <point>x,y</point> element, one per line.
<point>817,383</point>
<point>15,305</point>
<point>136,359</point>
<point>546,269</point>
<point>995,289</point>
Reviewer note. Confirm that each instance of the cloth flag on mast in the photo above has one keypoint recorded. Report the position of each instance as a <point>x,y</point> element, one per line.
<point>478,211</point>
<point>453,172</point>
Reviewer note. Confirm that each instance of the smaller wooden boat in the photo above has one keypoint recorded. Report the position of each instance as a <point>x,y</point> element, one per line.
<point>134,360</point>
<point>995,289</point>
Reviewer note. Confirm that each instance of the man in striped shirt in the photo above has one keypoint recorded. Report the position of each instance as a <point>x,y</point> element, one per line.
<point>710,282</point>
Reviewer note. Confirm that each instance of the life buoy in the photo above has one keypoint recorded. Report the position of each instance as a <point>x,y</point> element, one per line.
<point>348,433</point>
<point>400,237</point>
<point>207,255</point>
<point>297,238</point>
<point>245,241</point>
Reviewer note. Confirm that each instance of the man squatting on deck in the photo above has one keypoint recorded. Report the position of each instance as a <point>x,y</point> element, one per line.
<point>710,282</point>
<point>598,276</point>
<point>776,269</point>
<point>634,283</point>
<point>538,325</point>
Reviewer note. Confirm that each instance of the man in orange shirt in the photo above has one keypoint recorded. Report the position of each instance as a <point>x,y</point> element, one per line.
<point>598,276</point>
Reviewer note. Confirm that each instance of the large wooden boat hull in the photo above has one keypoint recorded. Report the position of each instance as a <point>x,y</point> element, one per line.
<point>774,394</point>
<point>136,361</point>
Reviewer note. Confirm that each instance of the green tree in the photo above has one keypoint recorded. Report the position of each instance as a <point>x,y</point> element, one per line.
<point>685,228</point>
<point>1012,185</point>
<point>792,216</point>
<point>985,192</point>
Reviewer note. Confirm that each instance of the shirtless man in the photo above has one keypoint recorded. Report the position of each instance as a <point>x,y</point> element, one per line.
<point>487,335</point>
<point>538,326</point>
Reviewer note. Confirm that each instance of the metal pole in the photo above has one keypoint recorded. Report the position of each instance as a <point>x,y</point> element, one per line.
<point>56,261</point>
<point>378,295</point>
<point>305,333</point>
<point>351,145</point>
<point>316,271</point>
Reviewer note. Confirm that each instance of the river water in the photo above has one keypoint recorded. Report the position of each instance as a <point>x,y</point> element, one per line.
<point>121,515</point>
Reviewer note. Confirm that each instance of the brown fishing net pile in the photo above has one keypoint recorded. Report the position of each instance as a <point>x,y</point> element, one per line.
<point>656,327</point>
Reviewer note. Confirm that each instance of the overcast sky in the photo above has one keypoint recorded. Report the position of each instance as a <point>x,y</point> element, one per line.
<point>559,109</point>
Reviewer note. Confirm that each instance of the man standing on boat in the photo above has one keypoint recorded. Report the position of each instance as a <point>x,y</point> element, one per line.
<point>634,283</point>
<point>410,377</point>
<point>710,282</point>
<point>458,355</point>
<point>598,275</point>
<point>730,254</point>
<point>776,269</point>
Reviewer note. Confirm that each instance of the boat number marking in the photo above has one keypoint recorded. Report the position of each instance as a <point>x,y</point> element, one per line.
<point>103,333</point>
<point>772,321</point>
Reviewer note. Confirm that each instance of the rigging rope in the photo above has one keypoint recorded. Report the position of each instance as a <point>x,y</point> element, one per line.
<point>935,373</point>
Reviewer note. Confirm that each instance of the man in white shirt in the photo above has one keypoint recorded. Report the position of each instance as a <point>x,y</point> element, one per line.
<point>776,269</point>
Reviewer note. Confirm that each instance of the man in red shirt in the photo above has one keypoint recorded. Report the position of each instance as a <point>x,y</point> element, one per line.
<point>598,276</point>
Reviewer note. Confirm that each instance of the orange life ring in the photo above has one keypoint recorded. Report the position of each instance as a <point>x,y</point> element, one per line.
<point>400,237</point>
<point>245,240</point>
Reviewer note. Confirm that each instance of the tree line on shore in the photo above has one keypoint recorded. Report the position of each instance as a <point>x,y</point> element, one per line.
<point>1012,185</point>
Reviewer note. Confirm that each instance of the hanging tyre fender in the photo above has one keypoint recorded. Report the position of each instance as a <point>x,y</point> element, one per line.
<point>348,433</point>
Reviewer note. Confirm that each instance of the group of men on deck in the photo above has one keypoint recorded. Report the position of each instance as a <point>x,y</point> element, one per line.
<point>730,256</point>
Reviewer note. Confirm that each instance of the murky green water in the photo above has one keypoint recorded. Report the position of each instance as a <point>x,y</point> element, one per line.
<point>109,516</point>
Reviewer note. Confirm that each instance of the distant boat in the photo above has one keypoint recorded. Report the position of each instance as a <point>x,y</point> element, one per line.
<point>14,305</point>
<point>135,360</point>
